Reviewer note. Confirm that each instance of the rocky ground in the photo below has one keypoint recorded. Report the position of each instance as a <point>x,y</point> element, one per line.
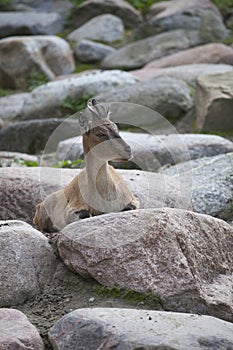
<point>158,277</point>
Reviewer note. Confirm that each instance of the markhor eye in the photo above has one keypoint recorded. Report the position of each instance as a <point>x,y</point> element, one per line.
<point>101,135</point>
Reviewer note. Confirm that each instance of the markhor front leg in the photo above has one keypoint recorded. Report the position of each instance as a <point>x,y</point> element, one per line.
<point>76,215</point>
<point>134,204</point>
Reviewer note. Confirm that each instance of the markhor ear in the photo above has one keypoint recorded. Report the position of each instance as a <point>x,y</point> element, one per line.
<point>99,110</point>
<point>83,123</point>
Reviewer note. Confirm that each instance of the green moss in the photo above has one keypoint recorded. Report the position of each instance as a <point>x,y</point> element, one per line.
<point>4,4</point>
<point>229,39</point>
<point>69,164</point>
<point>73,105</point>
<point>128,295</point>
<point>81,67</point>
<point>4,92</point>
<point>36,79</point>
<point>223,4</point>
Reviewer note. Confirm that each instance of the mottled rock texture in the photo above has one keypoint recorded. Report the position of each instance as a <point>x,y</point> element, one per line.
<point>161,251</point>
<point>17,333</point>
<point>27,262</point>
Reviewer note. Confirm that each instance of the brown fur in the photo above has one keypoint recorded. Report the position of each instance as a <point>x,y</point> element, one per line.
<point>98,188</point>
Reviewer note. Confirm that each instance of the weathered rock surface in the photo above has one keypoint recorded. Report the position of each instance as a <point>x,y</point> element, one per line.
<point>137,54</point>
<point>11,105</point>
<point>32,136</point>
<point>48,100</point>
<point>37,57</point>
<point>189,73</point>
<point>27,262</point>
<point>22,188</point>
<point>105,28</point>
<point>93,8</point>
<point>150,152</point>
<point>215,53</point>
<point>168,96</point>
<point>204,17</point>
<point>162,251</point>
<point>211,183</point>
<point>16,159</point>
<point>30,23</point>
<point>214,102</point>
<point>17,333</point>
<point>89,51</point>
<point>129,329</point>
<point>62,7</point>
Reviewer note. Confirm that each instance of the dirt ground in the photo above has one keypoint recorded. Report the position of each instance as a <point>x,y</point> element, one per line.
<point>69,292</point>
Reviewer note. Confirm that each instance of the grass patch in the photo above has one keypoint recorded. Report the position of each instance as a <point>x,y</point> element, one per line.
<point>81,67</point>
<point>36,79</point>
<point>69,164</point>
<point>5,4</point>
<point>223,4</point>
<point>128,295</point>
<point>4,92</point>
<point>73,105</point>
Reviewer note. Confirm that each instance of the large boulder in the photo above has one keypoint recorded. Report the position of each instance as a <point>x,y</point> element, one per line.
<point>214,102</point>
<point>27,262</point>
<point>89,328</point>
<point>158,251</point>
<point>30,23</point>
<point>105,28</point>
<point>150,152</point>
<point>211,183</point>
<point>39,58</point>
<point>31,136</point>
<point>21,189</point>
<point>204,17</point>
<point>92,8</point>
<point>89,51</point>
<point>214,53</point>
<point>168,96</point>
<point>189,73</point>
<point>11,105</point>
<point>138,53</point>
<point>48,100</point>
<point>17,333</point>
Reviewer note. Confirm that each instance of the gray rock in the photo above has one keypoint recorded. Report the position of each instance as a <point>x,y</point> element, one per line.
<point>189,73</point>
<point>38,58</point>
<point>63,7</point>
<point>11,105</point>
<point>105,28</point>
<point>150,152</point>
<point>214,53</point>
<point>180,14</point>
<point>168,96</point>
<point>89,51</point>
<point>22,188</point>
<point>17,333</point>
<point>93,8</point>
<point>16,159</point>
<point>27,262</point>
<point>211,183</point>
<point>30,23</point>
<point>130,329</point>
<point>214,102</point>
<point>137,54</point>
<point>159,251</point>
<point>48,100</point>
<point>32,136</point>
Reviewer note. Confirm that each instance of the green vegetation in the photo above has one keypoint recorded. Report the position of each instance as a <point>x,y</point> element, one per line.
<point>128,295</point>
<point>4,92</point>
<point>81,67</point>
<point>223,4</point>
<point>74,105</point>
<point>36,79</point>
<point>69,164</point>
<point>4,4</point>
